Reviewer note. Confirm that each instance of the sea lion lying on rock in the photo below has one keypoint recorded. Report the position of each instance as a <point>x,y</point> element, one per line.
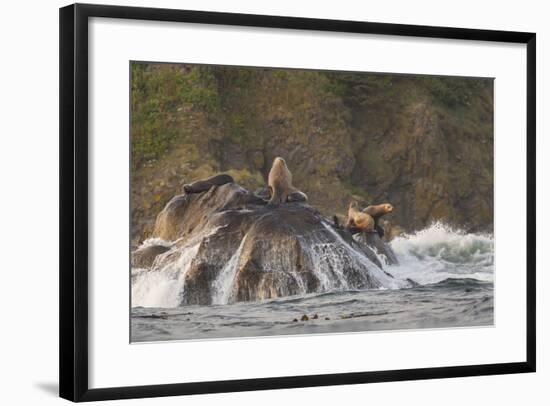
<point>376,211</point>
<point>205,184</point>
<point>359,221</point>
<point>296,196</point>
<point>280,186</point>
<point>391,231</point>
<point>262,193</point>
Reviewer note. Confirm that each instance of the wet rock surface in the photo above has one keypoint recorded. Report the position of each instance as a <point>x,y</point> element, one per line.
<point>144,257</point>
<point>228,246</point>
<point>374,241</point>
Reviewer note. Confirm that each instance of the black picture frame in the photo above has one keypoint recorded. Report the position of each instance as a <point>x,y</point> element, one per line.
<point>73,254</point>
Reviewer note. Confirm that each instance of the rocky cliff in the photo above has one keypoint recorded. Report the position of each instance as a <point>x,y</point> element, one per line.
<point>423,143</point>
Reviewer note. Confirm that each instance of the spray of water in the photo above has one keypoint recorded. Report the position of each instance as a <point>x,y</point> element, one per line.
<point>363,262</point>
<point>427,256</point>
<point>155,241</point>
<point>440,252</point>
<point>163,286</point>
<point>222,288</point>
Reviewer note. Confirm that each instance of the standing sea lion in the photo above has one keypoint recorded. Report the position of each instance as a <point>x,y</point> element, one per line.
<point>358,221</point>
<point>205,184</point>
<point>295,196</point>
<point>377,211</point>
<point>279,182</point>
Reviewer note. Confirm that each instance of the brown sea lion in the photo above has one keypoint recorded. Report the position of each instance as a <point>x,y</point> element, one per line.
<point>377,211</point>
<point>279,182</point>
<point>358,221</point>
<point>391,231</point>
<point>205,184</point>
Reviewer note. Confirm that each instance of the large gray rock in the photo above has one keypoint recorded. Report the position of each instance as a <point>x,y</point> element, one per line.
<point>228,246</point>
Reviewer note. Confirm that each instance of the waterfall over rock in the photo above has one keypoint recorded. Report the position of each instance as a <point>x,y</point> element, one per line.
<point>225,245</point>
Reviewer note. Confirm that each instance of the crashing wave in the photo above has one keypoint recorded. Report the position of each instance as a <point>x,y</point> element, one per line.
<point>439,252</point>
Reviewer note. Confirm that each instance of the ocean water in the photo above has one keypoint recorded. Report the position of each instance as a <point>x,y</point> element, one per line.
<point>454,271</point>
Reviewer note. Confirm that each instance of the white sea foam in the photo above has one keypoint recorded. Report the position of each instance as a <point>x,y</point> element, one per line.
<point>362,261</point>
<point>223,284</point>
<point>381,257</point>
<point>440,252</point>
<point>155,241</point>
<point>163,286</point>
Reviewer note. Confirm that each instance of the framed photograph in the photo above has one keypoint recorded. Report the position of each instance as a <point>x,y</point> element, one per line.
<point>256,202</point>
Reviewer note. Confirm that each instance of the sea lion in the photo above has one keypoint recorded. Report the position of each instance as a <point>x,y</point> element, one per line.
<point>263,193</point>
<point>279,182</point>
<point>339,221</point>
<point>391,231</point>
<point>296,196</point>
<point>376,211</point>
<point>205,184</point>
<point>358,221</point>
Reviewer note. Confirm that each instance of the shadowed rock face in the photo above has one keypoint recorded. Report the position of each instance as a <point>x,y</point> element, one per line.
<point>144,257</point>
<point>228,246</point>
<point>373,240</point>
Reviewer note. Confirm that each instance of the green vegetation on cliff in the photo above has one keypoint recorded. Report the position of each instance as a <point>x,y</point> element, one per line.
<point>423,143</point>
